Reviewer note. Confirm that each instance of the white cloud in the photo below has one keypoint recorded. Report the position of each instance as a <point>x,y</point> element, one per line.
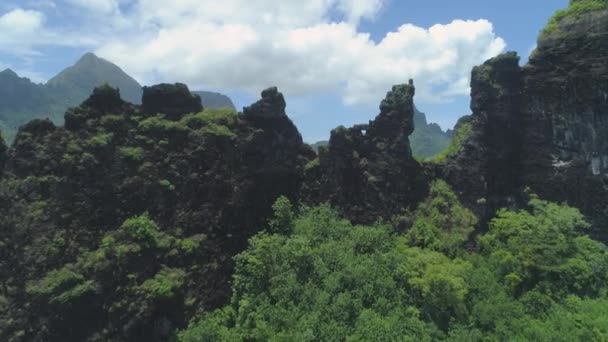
<point>299,46</point>
<point>235,44</point>
<point>19,27</point>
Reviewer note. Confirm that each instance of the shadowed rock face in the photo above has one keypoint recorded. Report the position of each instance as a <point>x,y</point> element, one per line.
<point>566,116</point>
<point>173,100</point>
<point>487,170</point>
<point>543,126</point>
<point>368,171</point>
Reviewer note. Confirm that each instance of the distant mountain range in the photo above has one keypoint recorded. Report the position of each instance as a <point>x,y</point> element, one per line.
<point>22,100</point>
<point>427,140</point>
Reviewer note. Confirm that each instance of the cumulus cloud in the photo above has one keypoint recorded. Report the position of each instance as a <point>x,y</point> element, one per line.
<point>235,44</point>
<point>19,28</point>
<point>304,47</point>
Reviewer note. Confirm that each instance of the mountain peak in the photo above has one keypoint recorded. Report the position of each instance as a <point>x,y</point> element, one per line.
<point>92,71</point>
<point>9,72</point>
<point>90,58</point>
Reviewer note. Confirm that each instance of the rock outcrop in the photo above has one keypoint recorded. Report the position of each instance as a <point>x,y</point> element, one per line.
<point>368,171</point>
<point>487,169</point>
<point>542,126</point>
<point>566,116</point>
<point>173,100</point>
<point>206,177</point>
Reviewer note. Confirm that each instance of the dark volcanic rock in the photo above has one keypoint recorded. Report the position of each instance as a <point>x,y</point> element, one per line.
<point>104,100</point>
<point>487,170</point>
<point>368,171</point>
<point>543,126</point>
<point>272,105</point>
<point>173,100</point>
<point>200,177</point>
<point>566,116</point>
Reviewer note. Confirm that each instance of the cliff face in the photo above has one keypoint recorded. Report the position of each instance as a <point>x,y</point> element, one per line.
<point>487,169</point>
<point>543,126</point>
<point>207,178</point>
<point>368,171</point>
<point>566,85</point>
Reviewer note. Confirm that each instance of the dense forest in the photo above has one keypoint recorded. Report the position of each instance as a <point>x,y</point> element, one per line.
<point>169,220</point>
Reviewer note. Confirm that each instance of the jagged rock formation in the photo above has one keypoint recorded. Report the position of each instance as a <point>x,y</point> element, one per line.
<point>427,140</point>
<point>173,100</point>
<point>543,126</point>
<point>209,177</point>
<point>487,170</point>
<point>368,171</point>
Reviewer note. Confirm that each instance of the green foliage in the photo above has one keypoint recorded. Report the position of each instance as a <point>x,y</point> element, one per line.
<point>62,287</point>
<point>165,284</point>
<point>132,153</point>
<point>332,281</point>
<point>282,221</point>
<point>158,124</point>
<point>442,223</point>
<point>142,229</point>
<point>101,139</point>
<point>312,164</point>
<point>461,133</point>
<point>542,249</point>
<point>576,8</point>
<point>213,122</point>
<point>222,116</point>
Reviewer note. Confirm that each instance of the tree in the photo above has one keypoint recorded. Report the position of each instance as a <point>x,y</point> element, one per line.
<point>441,222</point>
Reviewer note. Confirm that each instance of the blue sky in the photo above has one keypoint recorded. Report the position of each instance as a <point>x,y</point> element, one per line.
<point>333,59</point>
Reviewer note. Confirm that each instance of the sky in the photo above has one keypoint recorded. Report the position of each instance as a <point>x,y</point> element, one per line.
<point>334,60</point>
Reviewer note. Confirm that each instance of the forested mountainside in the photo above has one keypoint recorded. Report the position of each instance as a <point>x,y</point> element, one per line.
<point>169,221</point>
<point>22,100</point>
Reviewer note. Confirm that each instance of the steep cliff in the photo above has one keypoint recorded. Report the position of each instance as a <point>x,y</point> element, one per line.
<point>566,114</point>
<point>486,171</point>
<point>542,126</point>
<point>368,171</point>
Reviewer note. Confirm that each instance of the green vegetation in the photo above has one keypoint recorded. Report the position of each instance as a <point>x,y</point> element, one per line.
<point>462,132</point>
<point>442,224</point>
<point>132,153</point>
<point>535,278</point>
<point>164,285</point>
<point>576,8</point>
<point>428,139</point>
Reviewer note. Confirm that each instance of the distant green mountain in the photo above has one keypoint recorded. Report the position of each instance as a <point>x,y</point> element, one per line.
<point>21,100</point>
<point>19,97</point>
<point>77,82</point>
<point>427,140</point>
<point>214,100</point>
